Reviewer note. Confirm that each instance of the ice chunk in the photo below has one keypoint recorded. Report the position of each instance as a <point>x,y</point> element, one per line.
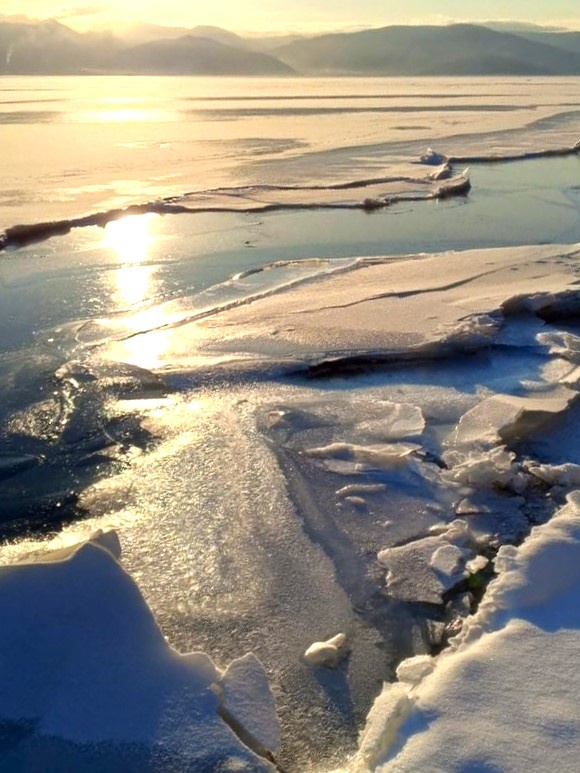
<point>327,653</point>
<point>496,468</point>
<point>503,418</point>
<point>455,186</point>
<point>357,502</point>
<point>557,475</point>
<point>414,670</point>
<point>356,489</point>
<point>468,507</point>
<point>424,569</point>
<point>383,456</point>
<point>449,561</point>
<point>248,699</point>
<point>547,305</point>
<point>458,532</point>
<point>477,564</point>
<point>441,173</point>
<point>432,158</point>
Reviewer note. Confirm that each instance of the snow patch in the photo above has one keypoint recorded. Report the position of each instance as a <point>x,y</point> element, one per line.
<point>516,657</point>
<point>84,660</point>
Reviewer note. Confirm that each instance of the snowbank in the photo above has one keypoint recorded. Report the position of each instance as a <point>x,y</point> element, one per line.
<point>84,661</point>
<point>505,696</point>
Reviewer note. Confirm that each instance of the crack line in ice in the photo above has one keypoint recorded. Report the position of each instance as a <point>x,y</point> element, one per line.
<point>402,294</point>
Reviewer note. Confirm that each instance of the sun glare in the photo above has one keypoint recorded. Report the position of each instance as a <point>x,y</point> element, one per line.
<point>130,237</point>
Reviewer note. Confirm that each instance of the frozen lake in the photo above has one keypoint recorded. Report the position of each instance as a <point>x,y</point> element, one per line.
<point>275,426</point>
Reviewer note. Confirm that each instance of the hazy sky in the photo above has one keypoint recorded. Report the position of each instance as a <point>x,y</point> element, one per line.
<point>246,15</point>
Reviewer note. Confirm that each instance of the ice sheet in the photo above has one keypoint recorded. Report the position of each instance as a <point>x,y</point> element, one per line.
<point>126,142</point>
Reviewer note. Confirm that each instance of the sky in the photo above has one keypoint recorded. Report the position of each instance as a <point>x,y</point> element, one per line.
<point>307,15</point>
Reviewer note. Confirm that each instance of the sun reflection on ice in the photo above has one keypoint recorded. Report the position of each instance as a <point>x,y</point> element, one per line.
<point>131,239</point>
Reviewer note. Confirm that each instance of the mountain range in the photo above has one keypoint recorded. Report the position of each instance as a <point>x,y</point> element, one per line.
<point>49,47</point>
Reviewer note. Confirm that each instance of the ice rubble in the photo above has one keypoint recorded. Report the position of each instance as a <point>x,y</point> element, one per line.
<point>512,647</point>
<point>327,653</point>
<point>84,661</point>
<point>505,695</point>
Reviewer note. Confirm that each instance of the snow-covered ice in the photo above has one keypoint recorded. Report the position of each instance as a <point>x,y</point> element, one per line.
<point>505,695</point>
<point>84,661</point>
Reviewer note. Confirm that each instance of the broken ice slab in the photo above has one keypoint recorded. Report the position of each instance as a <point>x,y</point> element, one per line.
<point>505,418</point>
<point>425,569</point>
<point>249,703</point>
<point>392,307</point>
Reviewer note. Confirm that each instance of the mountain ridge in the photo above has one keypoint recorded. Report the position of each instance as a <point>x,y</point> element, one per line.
<point>52,48</point>
<point>458,49</point>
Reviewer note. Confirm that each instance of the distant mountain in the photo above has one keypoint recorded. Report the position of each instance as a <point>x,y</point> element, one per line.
<point>144,32</point>
<point>141,32</point>
<point>459,49</point>
<point>565,41</point>
<point>48,47</point>
<point>519,27</point>
<point>220,36</point>
<point>190,55</point>
<point>269,43</point>
<point>51,48</point>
